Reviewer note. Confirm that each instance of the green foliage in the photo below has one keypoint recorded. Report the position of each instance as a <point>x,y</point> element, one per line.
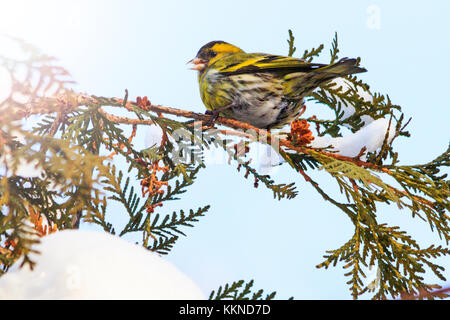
<point>423,189</point>
<point>86,164</point>
<point>73,148</point>
<point>240,290</point>
<point>334,49</point>
<point>290,41</point>
<point>64,184</point>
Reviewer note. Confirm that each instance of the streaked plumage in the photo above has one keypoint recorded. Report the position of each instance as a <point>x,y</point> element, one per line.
<point>263,90</point>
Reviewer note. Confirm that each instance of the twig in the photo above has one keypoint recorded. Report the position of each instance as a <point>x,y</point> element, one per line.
<point>84,100</point>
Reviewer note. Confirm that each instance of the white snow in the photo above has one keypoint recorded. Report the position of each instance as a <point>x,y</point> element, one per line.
<point>371,136</point>
<point>25,169</point>
<point>153,136</point>
<point>373,277</point>
<point>76,264</point>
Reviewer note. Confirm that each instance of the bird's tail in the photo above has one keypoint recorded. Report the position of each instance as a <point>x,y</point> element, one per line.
<point>342,68</point>
<point>301,84</point>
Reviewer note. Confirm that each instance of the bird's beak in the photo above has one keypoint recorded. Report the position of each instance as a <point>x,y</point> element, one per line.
<point>199,64</point>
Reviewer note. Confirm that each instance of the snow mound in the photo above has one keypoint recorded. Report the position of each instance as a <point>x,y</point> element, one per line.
<point>77,264</point>
<point>153,136</point>
<point>371,136</point>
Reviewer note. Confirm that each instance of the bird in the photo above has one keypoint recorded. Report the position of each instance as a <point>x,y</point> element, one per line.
<point>266,91</point>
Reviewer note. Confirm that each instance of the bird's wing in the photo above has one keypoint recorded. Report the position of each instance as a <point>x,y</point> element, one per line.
<point>252,63</point>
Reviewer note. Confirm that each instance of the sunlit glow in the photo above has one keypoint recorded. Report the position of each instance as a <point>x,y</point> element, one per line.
<point>51,25</point>
<point>42,21</point>
<point>5,84</point>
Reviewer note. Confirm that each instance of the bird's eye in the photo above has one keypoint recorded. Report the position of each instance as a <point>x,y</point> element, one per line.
<point>213,54</point>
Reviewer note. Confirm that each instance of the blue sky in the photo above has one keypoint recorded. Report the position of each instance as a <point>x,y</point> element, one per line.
<point>144,45</point>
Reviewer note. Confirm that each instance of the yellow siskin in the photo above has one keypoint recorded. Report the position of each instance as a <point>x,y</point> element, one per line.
<point>261,89</point>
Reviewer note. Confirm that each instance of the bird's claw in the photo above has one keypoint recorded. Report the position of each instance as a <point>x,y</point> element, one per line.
<point>215,114</point>
<point>212,120</point>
